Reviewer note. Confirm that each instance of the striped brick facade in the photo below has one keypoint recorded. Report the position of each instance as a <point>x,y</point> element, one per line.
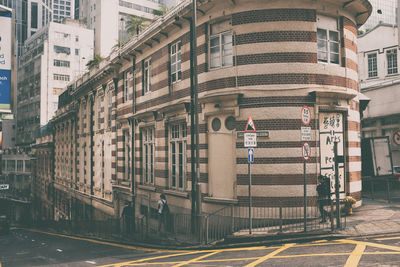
<point>275,72</point>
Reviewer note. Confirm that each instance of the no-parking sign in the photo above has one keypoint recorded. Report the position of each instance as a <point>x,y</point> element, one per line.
<point>306,150</point>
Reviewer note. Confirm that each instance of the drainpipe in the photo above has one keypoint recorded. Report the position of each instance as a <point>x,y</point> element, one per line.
<point>132,122</point>
<point>91,145</point>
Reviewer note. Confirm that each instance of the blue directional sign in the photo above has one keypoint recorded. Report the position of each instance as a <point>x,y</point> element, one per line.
<point>250,156</point>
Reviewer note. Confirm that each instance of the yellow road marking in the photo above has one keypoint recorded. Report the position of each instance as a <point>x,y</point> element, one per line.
<point>254,258</point>
<point>100,242</point>
<point>196,259</point>
<point>355,256</point>
<point>270,255</point>
<point>317,244</point>
<point>154,258</point>
<point>246,248</point>
<point>320,241</point>
<point>370,244</point>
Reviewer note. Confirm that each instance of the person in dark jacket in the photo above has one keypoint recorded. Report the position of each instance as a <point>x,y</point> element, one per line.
<point>324,196</point>
<point>162,210</point>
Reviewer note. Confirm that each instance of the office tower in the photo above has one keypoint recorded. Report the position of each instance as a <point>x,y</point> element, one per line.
<point>51,58</point>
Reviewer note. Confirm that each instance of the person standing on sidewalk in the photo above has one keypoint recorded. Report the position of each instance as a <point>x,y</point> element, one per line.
<point>324,196</point>
<point>163,211</point>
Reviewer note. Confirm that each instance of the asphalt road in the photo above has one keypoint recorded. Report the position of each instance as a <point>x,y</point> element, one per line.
<point>31,248</point>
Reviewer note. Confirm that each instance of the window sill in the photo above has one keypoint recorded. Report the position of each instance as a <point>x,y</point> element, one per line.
<point>373,78</point>
<point>219,68</point>
<point>151,188</point>
<point>392,75</point>
<point>220,200</point>
<point>176,193</point>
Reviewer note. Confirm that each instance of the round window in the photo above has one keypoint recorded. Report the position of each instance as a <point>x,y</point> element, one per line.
<point>216,124</point>
<point>230,123</point>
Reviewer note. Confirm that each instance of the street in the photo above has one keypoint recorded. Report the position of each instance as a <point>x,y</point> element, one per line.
<point>33,248</point>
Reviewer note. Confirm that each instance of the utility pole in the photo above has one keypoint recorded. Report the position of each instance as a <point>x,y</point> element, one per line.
<point>194,127</point>
<point>337,186</point>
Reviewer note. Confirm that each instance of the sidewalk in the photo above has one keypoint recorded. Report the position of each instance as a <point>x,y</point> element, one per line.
<point>373,217</point>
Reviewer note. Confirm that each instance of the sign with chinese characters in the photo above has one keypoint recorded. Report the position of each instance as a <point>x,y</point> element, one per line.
<point>330,131</point>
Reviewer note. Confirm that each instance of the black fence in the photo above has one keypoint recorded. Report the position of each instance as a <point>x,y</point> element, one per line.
<point>382,187</point>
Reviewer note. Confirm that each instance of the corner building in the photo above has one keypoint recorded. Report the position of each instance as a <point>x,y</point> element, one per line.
<point>128,122</point>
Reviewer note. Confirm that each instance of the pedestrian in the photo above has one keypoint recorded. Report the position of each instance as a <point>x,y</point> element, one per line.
<point>163,211</point>
<point>324,196</point>
<point>127,216</point>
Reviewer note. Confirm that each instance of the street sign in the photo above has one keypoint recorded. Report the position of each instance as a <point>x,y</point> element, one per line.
<point>250,155</point>
<point>250,127</point>
<point>306,150</point>
<point>4,186</point>
<point>305,115</point>
<point>305,133</point>
<point>396,137</point>
<point>262,133</point>
<point>250,140</point>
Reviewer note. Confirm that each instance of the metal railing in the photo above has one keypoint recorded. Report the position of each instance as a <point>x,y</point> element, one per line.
<point>283,217</point>
<point>381,187</point>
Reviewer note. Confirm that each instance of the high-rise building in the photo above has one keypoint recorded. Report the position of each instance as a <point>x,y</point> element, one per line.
<point>384,12</point>
<point>20,8</point>
<point>63,9</point>
<point>32,15</point>
<point>51,58</point>
<point>105,16</point>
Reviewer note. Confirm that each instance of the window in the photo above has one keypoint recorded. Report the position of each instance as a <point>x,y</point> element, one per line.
<point>328,46</point>
<point>76,52</point>
<point>176,73</point>
<point>148,155</point>
<point>34,15</point>
<point>61,77</point>
<point>27,165</point>
<point>127,80</point>
<point>221,50</point>
<point>126,154</point>
<point>391,56</point>
<point>10,165</point>
<point>62,49</point>
<point>372,65</point>
<point>147,75</point>
<point>178,135</point>
<point>109,106</point>
<point>20,165</point>
<point>61,63</point>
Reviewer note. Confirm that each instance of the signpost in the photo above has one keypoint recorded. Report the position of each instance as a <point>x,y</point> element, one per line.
<point>250,141</point>
<point>306,152</point>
